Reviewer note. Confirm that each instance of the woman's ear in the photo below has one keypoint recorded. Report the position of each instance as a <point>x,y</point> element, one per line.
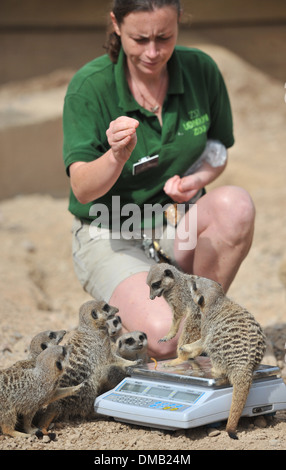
<point>114,23</point>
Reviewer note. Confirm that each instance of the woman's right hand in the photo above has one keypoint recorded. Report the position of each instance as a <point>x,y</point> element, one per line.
<point>122,138</point>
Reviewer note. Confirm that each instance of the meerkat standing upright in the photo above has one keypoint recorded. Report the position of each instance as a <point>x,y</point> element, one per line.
<point>233,340</point>
<point>167,281</point>
<point>24,390</point>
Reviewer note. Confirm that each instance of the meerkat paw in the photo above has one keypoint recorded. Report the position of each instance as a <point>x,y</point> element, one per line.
<point>41,433</point>
<point>165,338</point>
<point>193,349</point>
<point>186,348</point>
<point>174,362</point>
<point>78,387</point>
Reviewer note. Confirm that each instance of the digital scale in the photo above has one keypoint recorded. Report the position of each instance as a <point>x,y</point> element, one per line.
<point>182,397</point>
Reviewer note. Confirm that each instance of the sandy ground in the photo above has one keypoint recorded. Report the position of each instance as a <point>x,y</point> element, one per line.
<point>38,288</point>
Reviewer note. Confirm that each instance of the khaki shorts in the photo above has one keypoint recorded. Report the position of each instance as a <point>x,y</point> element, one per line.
<point>101,262</point>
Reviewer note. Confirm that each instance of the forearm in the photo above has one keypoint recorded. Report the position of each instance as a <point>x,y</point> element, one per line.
<point>91,180</point>
<point>185,188</point>
<point>205,175</point>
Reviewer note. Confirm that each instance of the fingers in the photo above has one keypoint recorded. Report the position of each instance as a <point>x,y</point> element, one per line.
<point>171,188</point>
<point>120,129</point>
<point>171,185</point>
<point>121,136</point>
<point>180,190</point>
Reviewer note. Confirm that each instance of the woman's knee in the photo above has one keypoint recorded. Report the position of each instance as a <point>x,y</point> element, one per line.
<point>235,213</point>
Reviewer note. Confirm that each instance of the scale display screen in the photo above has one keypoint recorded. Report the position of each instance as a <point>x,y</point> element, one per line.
<point>159,392</point>
<point>132,387</point>
<point>189,397</point>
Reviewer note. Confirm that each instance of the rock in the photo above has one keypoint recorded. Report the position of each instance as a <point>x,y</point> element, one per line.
<point>260,422</point>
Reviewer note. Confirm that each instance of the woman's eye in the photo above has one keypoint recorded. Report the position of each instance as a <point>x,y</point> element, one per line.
<point>141,40</point>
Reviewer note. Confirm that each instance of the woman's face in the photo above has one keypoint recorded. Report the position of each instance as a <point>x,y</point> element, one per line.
<point>148,39</point>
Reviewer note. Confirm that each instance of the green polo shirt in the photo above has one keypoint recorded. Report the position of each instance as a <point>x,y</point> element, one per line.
<point>196,108</point>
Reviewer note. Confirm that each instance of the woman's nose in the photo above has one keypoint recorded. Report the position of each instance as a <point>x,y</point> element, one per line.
<point>152,50</point>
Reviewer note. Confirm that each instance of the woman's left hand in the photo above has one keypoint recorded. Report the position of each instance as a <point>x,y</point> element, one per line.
<point>183,189</point>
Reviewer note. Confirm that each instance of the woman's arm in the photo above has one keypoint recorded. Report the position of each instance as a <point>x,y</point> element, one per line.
<point>183,189</point>
<point>90,180</point>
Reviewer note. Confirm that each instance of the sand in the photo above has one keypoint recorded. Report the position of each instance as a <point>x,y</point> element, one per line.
<point>39,290</point>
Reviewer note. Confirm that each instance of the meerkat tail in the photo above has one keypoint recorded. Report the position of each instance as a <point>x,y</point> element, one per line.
<point>239,397</point>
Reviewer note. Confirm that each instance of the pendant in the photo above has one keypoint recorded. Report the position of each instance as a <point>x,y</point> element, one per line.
<point>155,109</point>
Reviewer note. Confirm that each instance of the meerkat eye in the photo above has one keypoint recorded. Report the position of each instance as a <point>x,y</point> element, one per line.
<point>106,308</point>
<point>43,346</point>
<point>141,337</point>
<point>155,285</point>
<point>94,314</point>
<point>201,300</point>
<point>130,341</point>
<point>59,365</point>
<point>52,335</point>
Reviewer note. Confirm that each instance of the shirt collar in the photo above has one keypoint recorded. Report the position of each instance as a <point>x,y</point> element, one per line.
<point>126,100</point>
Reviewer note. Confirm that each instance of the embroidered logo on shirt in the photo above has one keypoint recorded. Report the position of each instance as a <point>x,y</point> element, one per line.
<point>198,124</point>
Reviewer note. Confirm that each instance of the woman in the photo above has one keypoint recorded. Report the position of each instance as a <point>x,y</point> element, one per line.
<point>149,98</point>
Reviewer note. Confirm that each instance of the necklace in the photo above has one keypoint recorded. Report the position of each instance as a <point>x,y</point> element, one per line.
<point>153,108</point>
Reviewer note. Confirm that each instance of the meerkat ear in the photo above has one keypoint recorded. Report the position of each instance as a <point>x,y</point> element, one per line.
<point>43,346</point>
<point>194,286</point>
<point>168,273</point>
<point>201,301</point>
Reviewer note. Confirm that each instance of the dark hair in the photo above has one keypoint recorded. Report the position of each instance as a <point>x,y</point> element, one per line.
<point>122,8</point>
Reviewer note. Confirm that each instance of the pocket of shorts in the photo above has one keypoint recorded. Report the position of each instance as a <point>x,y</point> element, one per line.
<point>77,255</point>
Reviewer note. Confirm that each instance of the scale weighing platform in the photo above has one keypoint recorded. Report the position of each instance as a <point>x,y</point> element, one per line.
<point>182,397</point>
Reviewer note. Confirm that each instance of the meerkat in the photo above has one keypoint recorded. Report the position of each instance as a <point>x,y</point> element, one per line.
<point>233,340</point>
<point>167,281</point>
<point>39,343</point>
<point>43,340</point>
<point>132,345</point>
<point>24,390</point>
<point>92,362</point>
<point>105,308</point>
<point>114,327</point>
